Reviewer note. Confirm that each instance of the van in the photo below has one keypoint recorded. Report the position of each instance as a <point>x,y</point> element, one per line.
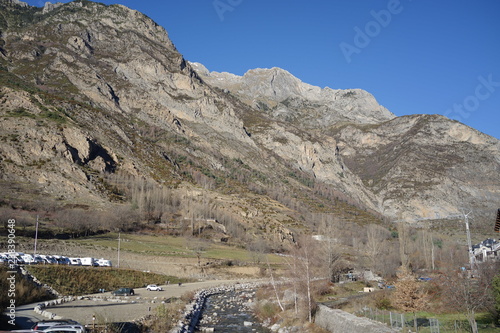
<point>15,258</point>
<point>28,259</point>
<point>104,262</point>
<point>48,259</point>
<point>87,261</point>
<point>62,260</point>
<point>75,261</point>
<point>38,259</point>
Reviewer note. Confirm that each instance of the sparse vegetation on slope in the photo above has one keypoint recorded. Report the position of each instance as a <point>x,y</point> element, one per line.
<point>69,280</point>
<point>25,291</point>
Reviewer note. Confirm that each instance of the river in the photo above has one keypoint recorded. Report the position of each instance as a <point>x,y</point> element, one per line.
<point>230,312</point>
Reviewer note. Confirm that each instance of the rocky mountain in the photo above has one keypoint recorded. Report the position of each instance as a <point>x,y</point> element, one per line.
<point>93,95</point>
<point>284,97</point>
<point>426,159</point>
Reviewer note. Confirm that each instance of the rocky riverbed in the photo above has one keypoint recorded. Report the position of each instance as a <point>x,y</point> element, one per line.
<point>222,309</point>
<point>230,312</point>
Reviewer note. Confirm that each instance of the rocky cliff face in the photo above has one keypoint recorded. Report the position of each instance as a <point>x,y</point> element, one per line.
<point>89,90</point>
<point>409,168</point>
<point>284,97</point>
<point>440,167</point>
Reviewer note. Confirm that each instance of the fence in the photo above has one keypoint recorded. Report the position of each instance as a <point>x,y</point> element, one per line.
<point>406,322</point>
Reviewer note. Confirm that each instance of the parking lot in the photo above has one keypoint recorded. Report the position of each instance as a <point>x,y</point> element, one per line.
<point>128,309</point>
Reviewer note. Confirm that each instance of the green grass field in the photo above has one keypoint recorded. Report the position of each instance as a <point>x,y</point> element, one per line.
<point>171,246</point>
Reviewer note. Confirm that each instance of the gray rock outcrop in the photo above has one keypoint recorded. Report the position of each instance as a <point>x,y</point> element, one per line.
<point>285,97</point>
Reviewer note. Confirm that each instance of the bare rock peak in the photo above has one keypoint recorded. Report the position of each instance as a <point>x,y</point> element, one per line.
<point>15,2</point>
<point>48,7</point>
<point>287,97</point>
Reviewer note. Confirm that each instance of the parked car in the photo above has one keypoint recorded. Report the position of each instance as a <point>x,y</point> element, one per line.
<point>66,328</point>
<point>153,287</point>
<point>38,259</point>
<point>123,292</point>
<point>16,258</point>
<point>28,259</point>
<point>46,324</point>
<point>19,260</point>
<point>62,260</point>
<point>75,261</point>
<point>104,262</point>
<point>48,259</point>
<point>34,259</point>
<point>88,261</point>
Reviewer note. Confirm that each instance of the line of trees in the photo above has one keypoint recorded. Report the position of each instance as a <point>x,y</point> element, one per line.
<point>401,255</point>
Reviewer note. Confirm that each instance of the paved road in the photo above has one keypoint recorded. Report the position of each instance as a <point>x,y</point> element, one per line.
<point>131,308</point>
<point>25,317</point>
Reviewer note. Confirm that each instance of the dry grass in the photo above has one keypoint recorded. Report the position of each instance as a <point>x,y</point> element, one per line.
<point>25,291</point>
<point>70,280</point>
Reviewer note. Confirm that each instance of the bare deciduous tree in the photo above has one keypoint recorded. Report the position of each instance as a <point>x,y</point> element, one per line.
<point>375,245</point>
<point>198,246</point>
<point>307,266</point>
<point>329,248</point>
<point>257,249</point>
<point>409,296</point>
<point>404,239</point>
<point>468,292</point>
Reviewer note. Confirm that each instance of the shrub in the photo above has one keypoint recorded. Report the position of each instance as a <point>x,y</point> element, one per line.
<point>266,310</point>
<point>322,289</point>
<point>166,316</point>
<point>382,301</point>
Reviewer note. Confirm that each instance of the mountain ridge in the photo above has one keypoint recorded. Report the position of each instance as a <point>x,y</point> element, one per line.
<point>93,93</point>
<point>280,91</point>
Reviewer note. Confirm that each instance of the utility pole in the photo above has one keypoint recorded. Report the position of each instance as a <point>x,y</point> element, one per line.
<point>472,258</point>
<point>432,253</point>
<point>36,236</point>
<point>469,242</point>
<point>119,240</point>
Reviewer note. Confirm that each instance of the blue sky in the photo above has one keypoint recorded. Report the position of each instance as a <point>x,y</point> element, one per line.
<point>436,57</point>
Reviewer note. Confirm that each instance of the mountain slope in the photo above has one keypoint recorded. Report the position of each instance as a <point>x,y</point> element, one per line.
<point>88,91</point>
<point>413,167</point>
<point>440,167</point>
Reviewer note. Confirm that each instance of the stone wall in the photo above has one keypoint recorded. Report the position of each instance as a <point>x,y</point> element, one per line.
<point>338,321</point>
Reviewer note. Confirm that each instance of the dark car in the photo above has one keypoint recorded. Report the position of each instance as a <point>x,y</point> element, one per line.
<point>123,292</point>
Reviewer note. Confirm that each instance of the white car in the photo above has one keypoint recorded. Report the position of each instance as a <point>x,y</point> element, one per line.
<point>66,329</point>
<point>153,287</point>
<point>48,324</point>
<point>104,263</point>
